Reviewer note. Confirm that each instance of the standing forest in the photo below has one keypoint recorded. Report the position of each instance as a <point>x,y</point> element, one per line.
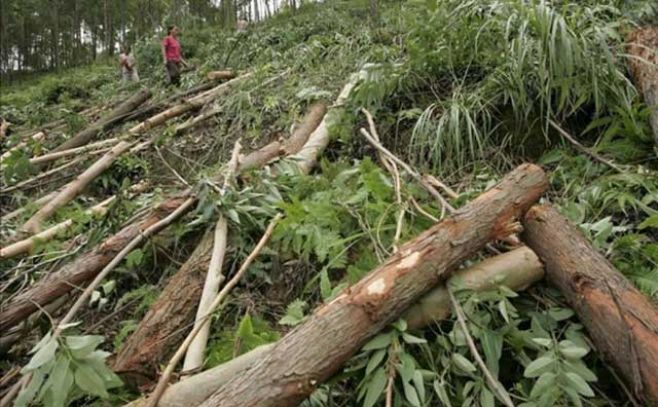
<point>397,203</point>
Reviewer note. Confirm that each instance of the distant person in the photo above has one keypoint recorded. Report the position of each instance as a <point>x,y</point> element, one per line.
<point>128,65</point>
<point>242,25</point>
<point>171,53</point>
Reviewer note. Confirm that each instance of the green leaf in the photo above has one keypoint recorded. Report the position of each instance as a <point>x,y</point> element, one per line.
<point>375,360</point>
<point>134,258</point>
<point>419,384</point>
<point>89,381</point>
<point>486,398</point>
<point>246,328</point>
<point>650,222</point>
<point>410,394</point>
<point>294,313</point>
<point>81,346</point>
<point>502,307</point>
<point>406,367</point>
<point>439,389</point>
<point>544,382</point>
<point>571,351</point>
<point>45,354</point>
<point>538,366</point>
<point>28,393</point>
<point>378,342</point>
<point>560,314</point>
<point>412,339</point>
<point>543,342</point>
<point>492,345</point>
<point>325,284</point>
<point>463,363</point>
<point>579,384</point>
<point>62,380</point>
<point>376,387</point>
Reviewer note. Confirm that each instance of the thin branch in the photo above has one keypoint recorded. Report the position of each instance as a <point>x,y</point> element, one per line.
<point>172,169</point>
<point>584,149</point>
<point>494,384</point>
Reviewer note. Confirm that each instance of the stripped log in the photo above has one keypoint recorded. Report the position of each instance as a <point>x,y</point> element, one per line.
<point>73,188</point>
<point>219,75</point>
<point>56,155</point>
<point>622,323</point>
<point>164,324</point>
<point>643,49</point>
<point>82,269</point>
<point>517,269</point>
<point>117,115</point>
<point>317,348</point>
<point>26,245</point>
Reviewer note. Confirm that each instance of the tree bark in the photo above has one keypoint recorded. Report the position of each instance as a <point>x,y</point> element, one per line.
<point>169,318</point>
<point>118,114</point>
<point>516,269</point>
<point>81,270</point>
<point>643,47</point>
<point>622,323</point>
<point>316,349</point>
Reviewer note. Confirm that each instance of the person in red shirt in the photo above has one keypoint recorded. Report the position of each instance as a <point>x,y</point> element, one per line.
<point>171,53</point>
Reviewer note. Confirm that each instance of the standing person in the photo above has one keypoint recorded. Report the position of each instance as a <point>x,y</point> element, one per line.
<point>171,54</point>
<point>128,65</point>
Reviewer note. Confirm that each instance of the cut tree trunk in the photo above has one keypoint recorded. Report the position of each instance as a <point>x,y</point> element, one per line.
<point>218,75</point>
<point>622,323</point>
<point>516,269</point>
<point>317,348</point>
<point>81,270</point>
<point>73,188</point>
<point>77,151</point>
<point>643,48</point>
<point>120,113</point>
<point>168,320</point>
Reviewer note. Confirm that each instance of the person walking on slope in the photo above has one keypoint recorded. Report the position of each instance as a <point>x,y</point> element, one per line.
<point>128,65</point>
<point>171,53</point>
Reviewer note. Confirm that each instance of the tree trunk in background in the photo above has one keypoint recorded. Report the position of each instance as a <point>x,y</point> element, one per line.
<point>115,116</point>
<point>622,323</point>
<point>643,47</point>
<point>318,347</point>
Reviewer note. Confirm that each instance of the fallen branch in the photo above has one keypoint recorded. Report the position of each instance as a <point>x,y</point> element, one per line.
<point>152,401</point>
<point>35,138</point>
<point>314,354</point>
<point>26,245</point>
<point>101,145</point>
<point>622,322</point>
<point>214,277</point>
<point>41,176</point>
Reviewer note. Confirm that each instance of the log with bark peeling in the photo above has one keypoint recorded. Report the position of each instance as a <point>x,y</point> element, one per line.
<point>316,349</point>
<point>114,117</point>
<point>165,324</point>
<point>622,322</point>
<point>643,49</point>
<point>516,269</point>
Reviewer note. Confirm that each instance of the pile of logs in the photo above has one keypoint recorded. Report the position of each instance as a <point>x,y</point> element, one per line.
<point>622,323</point>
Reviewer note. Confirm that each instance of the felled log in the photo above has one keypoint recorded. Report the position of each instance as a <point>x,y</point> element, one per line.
<point>218,75</point>
<point>77,151</point>
<point>188,105</point>
<point>516,269</point>
<point>26,245</point>
<point>160,329</point>
<point>73,188</point>
<point>622,323</point>
<point>643,48</point>
<point>82,269</point>
<point>35,137</point>
<point>114,117</point>
<point>317,348</point>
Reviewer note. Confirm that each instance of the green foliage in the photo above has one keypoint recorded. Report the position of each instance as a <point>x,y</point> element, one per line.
<point>67,368</point>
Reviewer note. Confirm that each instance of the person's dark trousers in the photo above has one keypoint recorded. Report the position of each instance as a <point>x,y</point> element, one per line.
<point>173,72</point>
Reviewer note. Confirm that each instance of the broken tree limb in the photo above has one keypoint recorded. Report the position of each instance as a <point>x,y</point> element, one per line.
<point>517,270</point>
<point>35,138</point>
<point>218,75</point>
<point>56,155</point>
<point>643,49</point>
<point>152,401</point>
<point>290,146</point>
<point>114,117</point>
<point>73,188</point>
<point>45,174</point>
<point>622,322</point>
<point>317,348</point>
<point>190,104</point>
<point>26,245</point>
<point>214,276</point>
<point>165,324</point>
<point>82,269</point>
